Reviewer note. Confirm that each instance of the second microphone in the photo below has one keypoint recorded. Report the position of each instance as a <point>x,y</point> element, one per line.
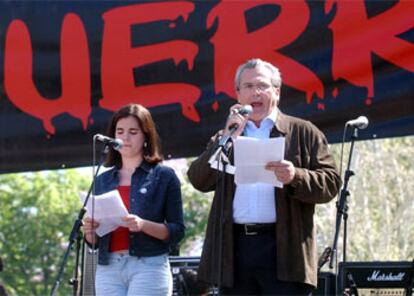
<point>114,143</point>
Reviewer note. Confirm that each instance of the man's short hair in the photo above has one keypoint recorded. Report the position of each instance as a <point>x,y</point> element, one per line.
<point>276,78</point>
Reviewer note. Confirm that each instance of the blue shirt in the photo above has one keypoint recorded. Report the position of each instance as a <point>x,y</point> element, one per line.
<point>255,203</point>
<point>156,196</point>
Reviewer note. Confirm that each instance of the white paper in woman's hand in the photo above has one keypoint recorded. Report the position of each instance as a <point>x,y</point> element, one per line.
<point>108,210</point>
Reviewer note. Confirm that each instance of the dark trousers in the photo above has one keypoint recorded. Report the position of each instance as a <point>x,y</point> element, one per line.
<point>255,268</point>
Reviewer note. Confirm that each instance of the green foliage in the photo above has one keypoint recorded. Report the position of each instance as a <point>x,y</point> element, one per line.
<point>380,204</point>
<point>38,211</point>
<point>196,206</point>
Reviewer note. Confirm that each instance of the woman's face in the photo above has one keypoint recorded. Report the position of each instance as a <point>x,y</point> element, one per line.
<point>128,130</point>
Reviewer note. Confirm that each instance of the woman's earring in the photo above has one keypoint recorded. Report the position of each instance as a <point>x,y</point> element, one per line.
<point>145,144</point>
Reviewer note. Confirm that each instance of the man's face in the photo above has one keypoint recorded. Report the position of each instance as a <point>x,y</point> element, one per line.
<point>256,90</point>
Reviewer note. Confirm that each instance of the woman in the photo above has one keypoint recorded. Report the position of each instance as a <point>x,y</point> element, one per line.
<point>133,260</point>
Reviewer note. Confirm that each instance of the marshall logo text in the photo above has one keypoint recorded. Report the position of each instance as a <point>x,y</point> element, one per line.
<point>379,277</point>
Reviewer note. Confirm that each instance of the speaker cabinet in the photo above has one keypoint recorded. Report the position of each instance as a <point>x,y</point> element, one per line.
<point>376,278</point>
<point>326,284</point>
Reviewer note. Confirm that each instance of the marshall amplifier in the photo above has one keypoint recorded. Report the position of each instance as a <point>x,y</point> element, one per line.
<point>375,278</point>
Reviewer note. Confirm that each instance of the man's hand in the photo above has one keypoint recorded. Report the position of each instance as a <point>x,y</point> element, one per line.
<point>235,118</point>
<point>283,170</point>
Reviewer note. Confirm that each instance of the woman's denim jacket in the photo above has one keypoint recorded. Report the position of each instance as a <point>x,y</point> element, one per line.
<point>155,196</point>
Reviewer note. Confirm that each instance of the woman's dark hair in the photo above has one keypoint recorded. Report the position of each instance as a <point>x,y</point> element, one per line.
<point>152,147</point>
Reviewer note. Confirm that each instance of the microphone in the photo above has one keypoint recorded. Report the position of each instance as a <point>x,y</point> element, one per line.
<point>324,257</point>
<point>361,122</point>
<point>243,110</point>
<point>115,143</point>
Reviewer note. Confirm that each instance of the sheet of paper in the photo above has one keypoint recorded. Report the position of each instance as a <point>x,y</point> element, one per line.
<point>251,156</point>
<point>217,159</point>
<point>109,211</point>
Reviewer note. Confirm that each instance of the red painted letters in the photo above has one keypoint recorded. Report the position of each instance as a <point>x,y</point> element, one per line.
<point>234,45</point>
<point>18,71</point>
<point>355,41</point>
<point>119,59</point>
<point>355,38</point>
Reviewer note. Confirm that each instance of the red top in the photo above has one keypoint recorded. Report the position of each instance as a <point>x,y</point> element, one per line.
<point>120,236</point>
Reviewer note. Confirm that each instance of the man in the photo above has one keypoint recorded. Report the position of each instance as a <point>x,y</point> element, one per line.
<point>269,242</point>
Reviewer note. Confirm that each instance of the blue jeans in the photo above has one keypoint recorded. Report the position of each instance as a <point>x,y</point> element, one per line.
<point>132,276</point>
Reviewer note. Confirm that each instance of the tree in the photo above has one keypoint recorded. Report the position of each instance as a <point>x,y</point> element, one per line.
<point>381,203</point>
<point>196,207</point>
<point>38,211</point>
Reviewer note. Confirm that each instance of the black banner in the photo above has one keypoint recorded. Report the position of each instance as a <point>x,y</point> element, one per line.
<point>67,65</point>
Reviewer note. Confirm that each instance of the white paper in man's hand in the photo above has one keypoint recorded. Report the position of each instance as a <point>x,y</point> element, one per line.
<point>251,156</point>
<point>109,211</point>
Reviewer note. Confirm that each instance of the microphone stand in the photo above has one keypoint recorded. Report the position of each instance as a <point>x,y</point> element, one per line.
<point>221,186</point>
<point>221,178</point>
<point>342,205</point>
<point>353,289</point>
<point>76,236</point>
<point>410,281</point>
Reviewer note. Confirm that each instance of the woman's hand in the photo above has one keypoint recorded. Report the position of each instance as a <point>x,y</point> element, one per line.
<point>89,227</point>
<point>134,223</point>
<point>154,229</point>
